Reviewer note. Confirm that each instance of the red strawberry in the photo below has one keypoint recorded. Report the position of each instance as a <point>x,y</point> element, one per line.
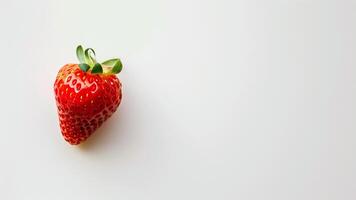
<point>86,94</point>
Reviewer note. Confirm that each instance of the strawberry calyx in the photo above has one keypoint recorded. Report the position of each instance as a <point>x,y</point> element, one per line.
<point>88,63</point>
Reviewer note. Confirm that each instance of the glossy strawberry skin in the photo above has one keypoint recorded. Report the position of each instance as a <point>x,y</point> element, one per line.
<point>84,101</point>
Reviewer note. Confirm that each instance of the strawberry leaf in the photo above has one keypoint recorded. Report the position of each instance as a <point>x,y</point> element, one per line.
<point>80,54</point>
<point>97,69</point>
<point>89,55</point>
<point>115,64</point>
<point>84,67</point>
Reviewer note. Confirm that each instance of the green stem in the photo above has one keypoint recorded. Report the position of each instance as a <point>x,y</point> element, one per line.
<point>88,62</point>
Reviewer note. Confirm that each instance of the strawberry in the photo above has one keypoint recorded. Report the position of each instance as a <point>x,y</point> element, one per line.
<point>86,94</point>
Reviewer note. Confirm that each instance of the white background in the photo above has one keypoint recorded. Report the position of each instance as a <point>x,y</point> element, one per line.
<point>222,100</point>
